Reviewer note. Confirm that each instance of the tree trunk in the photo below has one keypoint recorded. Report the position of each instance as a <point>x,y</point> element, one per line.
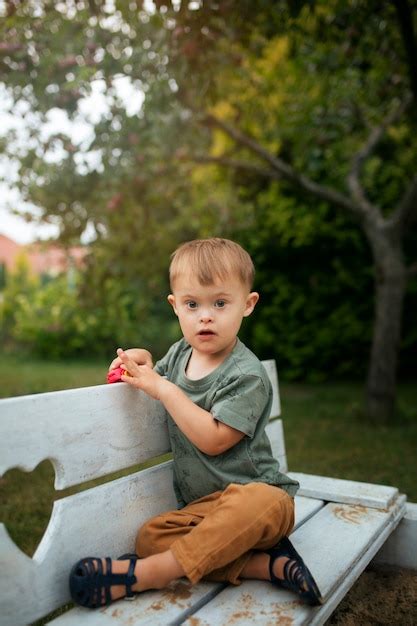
<point>390,286</point>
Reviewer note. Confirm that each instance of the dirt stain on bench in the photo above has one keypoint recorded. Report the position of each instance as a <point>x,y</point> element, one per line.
<point>353,514</point>
<point>115,613</point>
<point>118,613</point>
<point>182,590</point>
<point>251,611</point>
<point>174,595</point>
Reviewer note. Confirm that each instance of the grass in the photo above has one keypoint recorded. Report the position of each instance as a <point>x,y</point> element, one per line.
<point>24,375</point>
<point>325,434</point>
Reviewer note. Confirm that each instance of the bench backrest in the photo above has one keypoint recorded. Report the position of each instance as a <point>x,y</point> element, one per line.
<point>87,433</point>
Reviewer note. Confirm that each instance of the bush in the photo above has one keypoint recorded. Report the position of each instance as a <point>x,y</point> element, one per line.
<point>52,320</point>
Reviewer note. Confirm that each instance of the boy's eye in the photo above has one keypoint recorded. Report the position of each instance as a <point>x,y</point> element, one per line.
<point>220,304</point>
<point>191,304</point>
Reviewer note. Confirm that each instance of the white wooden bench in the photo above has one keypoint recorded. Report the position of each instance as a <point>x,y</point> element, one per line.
<point>92,432</point>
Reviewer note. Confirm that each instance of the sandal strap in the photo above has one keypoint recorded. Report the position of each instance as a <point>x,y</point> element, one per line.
<point>272,576</point>
<point>131,578</point>
<point>294,574</point>
<point>110,579</point>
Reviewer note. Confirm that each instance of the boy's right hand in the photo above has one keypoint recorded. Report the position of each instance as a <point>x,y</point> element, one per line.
<point>139,355</point>
<point>142,376</point>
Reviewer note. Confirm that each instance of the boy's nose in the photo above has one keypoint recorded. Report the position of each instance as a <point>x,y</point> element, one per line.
<point>205,317</point>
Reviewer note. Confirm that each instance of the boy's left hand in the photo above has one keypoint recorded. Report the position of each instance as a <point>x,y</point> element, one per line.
<point>141,376</point>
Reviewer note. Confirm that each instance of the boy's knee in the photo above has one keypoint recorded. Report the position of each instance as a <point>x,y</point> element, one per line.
<point>260,492</point>
<point>279,510</point>
<point>146,540</point>
<point>158,533</point>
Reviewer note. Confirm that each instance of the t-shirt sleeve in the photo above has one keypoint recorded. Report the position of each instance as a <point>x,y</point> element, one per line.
<point>162,366</point>
<point>241,402</point>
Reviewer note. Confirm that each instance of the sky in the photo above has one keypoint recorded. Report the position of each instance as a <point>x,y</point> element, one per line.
<point>90,110</point>
<point>16,227</point>
<point>81,133</point>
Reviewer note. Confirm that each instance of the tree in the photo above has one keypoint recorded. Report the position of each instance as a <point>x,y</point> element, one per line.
<point>385,230</point>
<point>316,97</point>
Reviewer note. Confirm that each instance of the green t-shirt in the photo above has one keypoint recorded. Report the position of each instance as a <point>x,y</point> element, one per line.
<point>238,393</point>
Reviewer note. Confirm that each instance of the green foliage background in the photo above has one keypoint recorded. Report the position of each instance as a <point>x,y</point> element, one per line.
<point>312,318</point>
<point>305,80</point>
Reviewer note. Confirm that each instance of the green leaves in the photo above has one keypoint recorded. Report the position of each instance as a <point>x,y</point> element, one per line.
<point>303,80</point>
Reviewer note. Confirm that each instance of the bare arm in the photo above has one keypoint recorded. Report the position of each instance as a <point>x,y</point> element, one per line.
<point>207,434</point>
<point>199,426</point>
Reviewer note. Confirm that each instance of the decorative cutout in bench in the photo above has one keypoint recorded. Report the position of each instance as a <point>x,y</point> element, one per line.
<point>36,494</point>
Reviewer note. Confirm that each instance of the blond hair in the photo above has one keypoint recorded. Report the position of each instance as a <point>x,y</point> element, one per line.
<point>211,259</point>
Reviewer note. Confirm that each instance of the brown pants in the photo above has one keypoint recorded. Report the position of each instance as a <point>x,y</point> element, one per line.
<point>213,537</point>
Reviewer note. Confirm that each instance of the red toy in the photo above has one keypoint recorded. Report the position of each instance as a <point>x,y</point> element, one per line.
<point>115,376</point>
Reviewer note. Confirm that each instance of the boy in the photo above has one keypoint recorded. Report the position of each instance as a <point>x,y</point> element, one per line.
<point>236,507</point>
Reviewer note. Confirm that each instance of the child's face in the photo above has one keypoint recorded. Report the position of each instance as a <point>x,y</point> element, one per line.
<point>210,316</point>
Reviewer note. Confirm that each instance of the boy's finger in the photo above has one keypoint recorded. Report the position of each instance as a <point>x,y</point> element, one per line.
<point>127,378</point>
<point>115,363</point>
<point>123,357</point>
<point>128,362</point>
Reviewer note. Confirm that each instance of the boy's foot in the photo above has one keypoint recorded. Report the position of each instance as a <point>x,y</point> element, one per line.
<point>288,570</point>
<point>96,582</point>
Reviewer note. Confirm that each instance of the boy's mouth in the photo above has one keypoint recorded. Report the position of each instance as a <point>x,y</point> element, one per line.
<point>205,332</point>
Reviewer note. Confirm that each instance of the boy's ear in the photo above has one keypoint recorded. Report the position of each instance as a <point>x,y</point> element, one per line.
<point>251,301</point>
<point>171,300</point>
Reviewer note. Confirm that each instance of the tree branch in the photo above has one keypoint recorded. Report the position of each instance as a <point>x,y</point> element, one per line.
<point>283,169</point>
<point>238,165</point>
<point>354,184</point>
<point>406,211</point>
<point>355,187</point>
<point>405,18</point>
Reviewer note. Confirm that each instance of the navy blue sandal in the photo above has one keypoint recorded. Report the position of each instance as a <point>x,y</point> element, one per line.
<point>91,587</point>
<point>127,556</point>
<point>297,576</point>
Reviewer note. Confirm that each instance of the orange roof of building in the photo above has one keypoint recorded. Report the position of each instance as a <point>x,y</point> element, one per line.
<point>43,257</point>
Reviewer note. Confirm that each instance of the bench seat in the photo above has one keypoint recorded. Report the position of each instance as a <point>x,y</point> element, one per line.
<point>337,541</point>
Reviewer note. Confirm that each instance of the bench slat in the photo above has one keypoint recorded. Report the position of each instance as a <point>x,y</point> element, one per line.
<point>334,539</point>
<point>338,540</point>
<point>275,432</point>
<point>90,432</point>
<point>320,616</point>
<point>345,491</point>
<point>271,370</point>
<point>87,433</point>
<point>401,548</point>
<point>151,608</point>
<point>105,524</point>
<point>305,508</point>
<point>254,602</point>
